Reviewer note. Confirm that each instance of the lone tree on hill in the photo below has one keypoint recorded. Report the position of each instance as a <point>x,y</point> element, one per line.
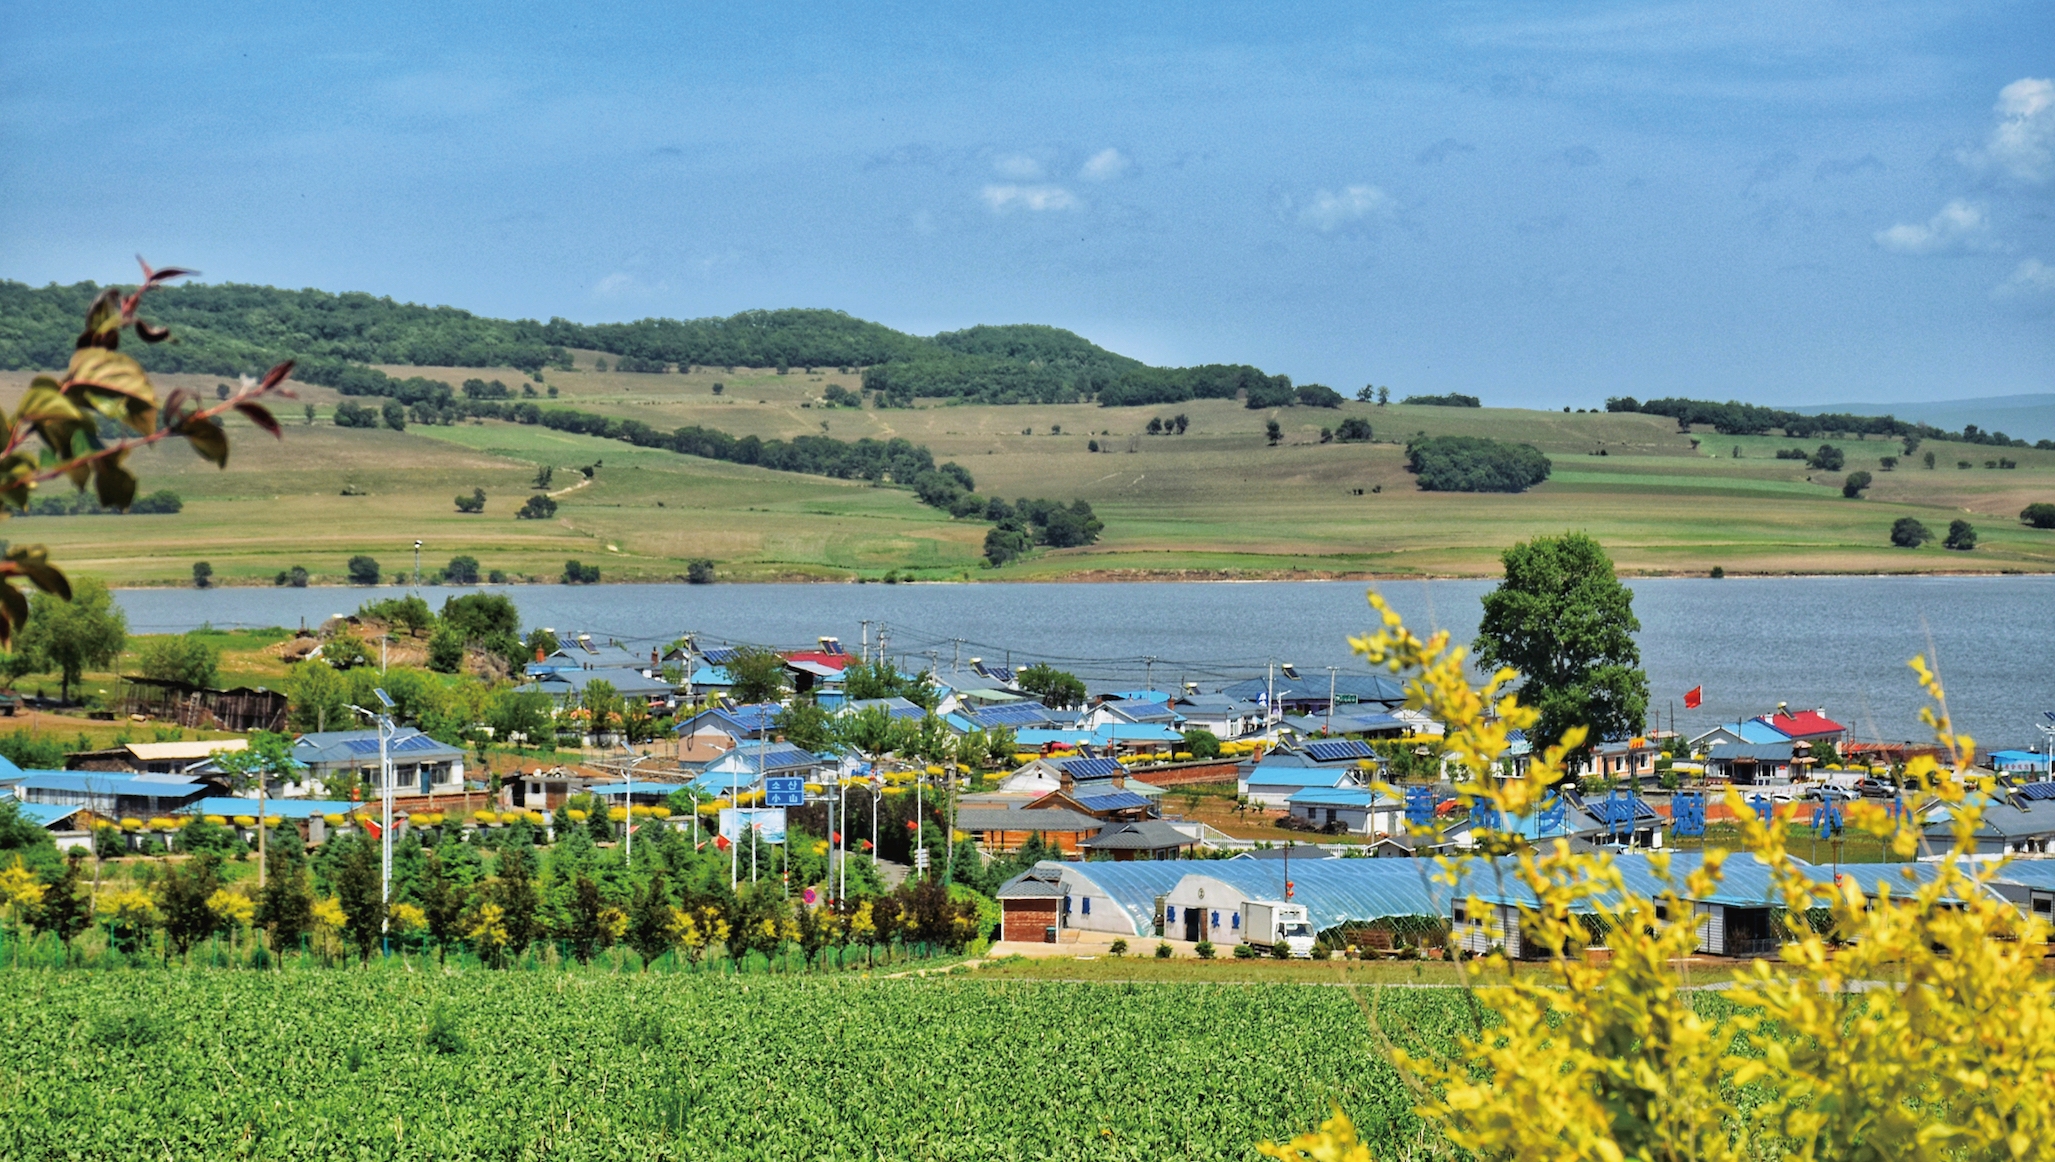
<point>472,503</point>
<point>203,575</point>
<point>1563,620</point>
<point>1907,533</point>
<point>1962,536</point>
<point>2040,515</point>
<point>1853,486</point>
<point>1274,431</point>
<point>363,570</point>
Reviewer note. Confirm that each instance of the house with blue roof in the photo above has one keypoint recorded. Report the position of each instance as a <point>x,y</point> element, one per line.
<point>2018,762</point>
<point>723,727</point>
<point>65,824</point>
<point>747,765</point>
<point>1133,711</point>
<point>895,706</point>
<point>420,764</point>
<point>1227,718</point>
<point>1307,693</point>
<point>111,794</point>
<point>1748,763</point>
<point>1348,810</point>
<point>1753,732</point>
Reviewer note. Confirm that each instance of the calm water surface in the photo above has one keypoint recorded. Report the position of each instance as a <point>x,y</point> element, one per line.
<point>1836,642</point>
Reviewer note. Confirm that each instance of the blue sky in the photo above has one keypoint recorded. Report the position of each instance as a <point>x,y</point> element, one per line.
<point>1541,204</point>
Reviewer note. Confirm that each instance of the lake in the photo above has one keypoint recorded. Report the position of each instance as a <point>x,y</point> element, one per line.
<point>1835,642</point>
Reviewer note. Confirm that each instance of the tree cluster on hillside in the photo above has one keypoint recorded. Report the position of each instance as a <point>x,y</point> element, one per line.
<point>1451,400</point>
<point>1746,419</point>
<point>1027,523</point>
<point>231,329</point>
<point>1475,464</point>
<point>162,502</point>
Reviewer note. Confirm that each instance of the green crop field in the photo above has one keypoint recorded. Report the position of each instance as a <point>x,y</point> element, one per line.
<point>1216,501</point>
<point>391,1064</point>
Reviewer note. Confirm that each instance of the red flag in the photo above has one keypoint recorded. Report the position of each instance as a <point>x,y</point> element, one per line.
<point>376,831</point>
<point>721,842</point>
<point>1693,697</point>
<point>834,837</point>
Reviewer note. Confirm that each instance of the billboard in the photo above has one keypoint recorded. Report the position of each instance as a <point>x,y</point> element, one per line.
<point>769,823</point>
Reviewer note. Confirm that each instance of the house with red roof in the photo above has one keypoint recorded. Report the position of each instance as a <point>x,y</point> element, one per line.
<point>1806,726</point>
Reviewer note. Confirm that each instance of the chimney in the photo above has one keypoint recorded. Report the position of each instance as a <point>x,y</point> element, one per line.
<point>538,653</point>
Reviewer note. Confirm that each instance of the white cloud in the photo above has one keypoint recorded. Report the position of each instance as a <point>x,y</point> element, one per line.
<point>1009,197</point>
<point>2022,144</point>
<point>2030,279</point>
<point>1959,225</point>
<point>1018,166</point>
<point>1104,165</point>
<point>1330,211</point>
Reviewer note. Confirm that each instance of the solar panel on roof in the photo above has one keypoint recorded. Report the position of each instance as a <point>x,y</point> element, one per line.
<point>1090,768</point>
<point>2038,790</point>
<point>1337,750</point>
<point>719,655</point>
<point>1112,801</point>
<point>1012,714</point>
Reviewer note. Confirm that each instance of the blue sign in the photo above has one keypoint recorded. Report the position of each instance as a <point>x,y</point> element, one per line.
<point>784,792</point>
<point>1619,812</point>
<point>1687,813</point>
<point>1764,808</point>
<point>1419,806</point>
<point>1551,821</point>
<point>1826,819</point>
<point>1484,817</point>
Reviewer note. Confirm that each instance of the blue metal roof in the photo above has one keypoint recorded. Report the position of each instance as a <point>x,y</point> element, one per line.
<point>44,814</point>
<point>2019,760</point>
<point>1136,732</point>
<point>1306,688</point>
<point>1266,775</point>
<point>1115,800</point>
<point>1141,696</point>
<point>895,706</point>
<point>1089,768</point>
<point>111,783</point>
<point>1341,797</point>
<point>229,807</point>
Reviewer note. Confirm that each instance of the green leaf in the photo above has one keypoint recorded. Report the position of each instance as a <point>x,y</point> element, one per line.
<point>207,439</point>
<point>34,563</point>
<point>115,484</point>
<point>14,611</point>
<point>45,400</point>
<point>113,384</point>
<point>103,322</point>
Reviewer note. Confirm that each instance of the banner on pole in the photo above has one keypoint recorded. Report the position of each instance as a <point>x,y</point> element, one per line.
<point>767,822</point>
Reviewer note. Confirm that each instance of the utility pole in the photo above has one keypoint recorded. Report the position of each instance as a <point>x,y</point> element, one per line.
<point>955,654</point>
<point>385,732</point>
<point>1330,698</point>
<point>866,640</point>
<point>1149,671</point>
<point>417,564</point>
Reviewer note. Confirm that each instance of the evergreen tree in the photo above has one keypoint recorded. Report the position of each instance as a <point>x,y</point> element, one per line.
<point>67,905</point>
<point>360,893</point>
<point>182,899</point>
<point>286,906</point>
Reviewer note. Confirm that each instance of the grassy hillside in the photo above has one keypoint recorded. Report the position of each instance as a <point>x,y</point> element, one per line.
<point>1216,501</point>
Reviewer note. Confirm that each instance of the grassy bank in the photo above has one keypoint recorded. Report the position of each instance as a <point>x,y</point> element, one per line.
<point>1217,501</point>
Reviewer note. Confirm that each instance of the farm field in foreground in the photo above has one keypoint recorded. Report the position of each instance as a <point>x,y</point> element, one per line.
<point>325,1065</point>
<point>1216,501</point>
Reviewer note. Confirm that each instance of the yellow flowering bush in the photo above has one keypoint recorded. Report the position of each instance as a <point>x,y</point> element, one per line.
<point>232,909</point>
<point>1916,1024</point>
<point>406,918</point>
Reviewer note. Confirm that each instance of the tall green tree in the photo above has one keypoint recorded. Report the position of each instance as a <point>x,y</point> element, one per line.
<point>1563,620</point>
<point>881,679</point>
<point>185,658</point>
<point>67,905</point>
<point>285,906</point>
<point>758,675</point>
<point>1056,688</point>
<point>358,890</point>
<point>69,636</point>
<point>182,897</point>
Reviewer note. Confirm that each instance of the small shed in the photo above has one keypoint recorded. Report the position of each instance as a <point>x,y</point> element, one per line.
<point>1351,810</point>
<point>1031,907</point>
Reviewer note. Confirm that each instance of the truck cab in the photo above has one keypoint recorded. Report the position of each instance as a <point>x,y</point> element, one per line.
<point>1268,923</point>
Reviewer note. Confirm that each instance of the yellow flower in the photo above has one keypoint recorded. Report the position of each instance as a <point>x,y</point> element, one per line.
<point>19,887</point>
<point>407,918</point>
<point>328,915</point>
<point>232,908</point>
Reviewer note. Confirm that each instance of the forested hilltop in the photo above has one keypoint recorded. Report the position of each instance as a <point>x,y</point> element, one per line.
<point>231,329</point>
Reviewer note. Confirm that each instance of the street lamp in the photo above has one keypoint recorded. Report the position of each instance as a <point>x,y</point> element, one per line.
<point>417,564</point>
<point>385,733</point>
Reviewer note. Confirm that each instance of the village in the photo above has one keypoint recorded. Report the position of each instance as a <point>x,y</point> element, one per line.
<point>1285,814</point>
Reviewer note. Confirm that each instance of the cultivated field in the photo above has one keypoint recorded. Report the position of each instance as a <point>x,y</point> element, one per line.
<point>1216,501</point>
<point>391,1064</point>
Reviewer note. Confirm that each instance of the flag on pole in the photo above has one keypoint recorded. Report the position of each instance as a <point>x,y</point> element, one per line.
<point>374,829</point>
<point>1693,697</point>
<point>721,842</point>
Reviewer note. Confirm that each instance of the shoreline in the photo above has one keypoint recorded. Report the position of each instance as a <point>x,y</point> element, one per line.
<point>1105,576</point>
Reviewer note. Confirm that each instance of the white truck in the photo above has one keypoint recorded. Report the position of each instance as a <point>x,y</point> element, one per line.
<point>1268,923</point>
